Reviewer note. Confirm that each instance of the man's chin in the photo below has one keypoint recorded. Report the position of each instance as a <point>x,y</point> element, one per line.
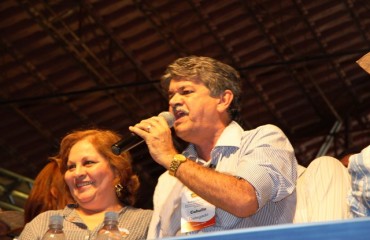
<point>180,126</point>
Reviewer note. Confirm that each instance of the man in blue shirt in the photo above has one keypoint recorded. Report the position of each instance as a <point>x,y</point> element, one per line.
<point>227,177</point>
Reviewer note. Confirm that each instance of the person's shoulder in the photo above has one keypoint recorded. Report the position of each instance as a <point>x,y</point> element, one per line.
<point>325,162</point>
<point>269,127</point>
<point>266,129</point>
<point>326,158</point>
<point>38,224</point>
<point>361,158</point>
<point>47,214</point>
<point>366,151</point>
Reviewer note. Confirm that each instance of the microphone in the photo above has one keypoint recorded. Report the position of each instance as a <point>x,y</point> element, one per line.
<point>133,140</point>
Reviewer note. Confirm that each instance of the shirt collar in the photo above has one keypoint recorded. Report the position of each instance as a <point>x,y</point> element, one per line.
<point>230,137</point>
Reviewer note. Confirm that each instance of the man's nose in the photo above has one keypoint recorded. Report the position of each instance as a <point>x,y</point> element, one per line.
<point>176,99</point>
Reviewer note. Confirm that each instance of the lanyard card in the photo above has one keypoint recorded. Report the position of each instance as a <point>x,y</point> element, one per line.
<point>196,213</point>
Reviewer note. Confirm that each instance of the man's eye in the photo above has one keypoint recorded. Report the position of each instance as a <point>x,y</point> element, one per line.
<point>180,92</point>
<point>186,92</point>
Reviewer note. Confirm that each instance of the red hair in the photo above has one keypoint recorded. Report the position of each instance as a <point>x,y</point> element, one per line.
<point>48,192</point>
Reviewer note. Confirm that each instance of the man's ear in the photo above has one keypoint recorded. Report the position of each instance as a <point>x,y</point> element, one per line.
<point>225,100</point>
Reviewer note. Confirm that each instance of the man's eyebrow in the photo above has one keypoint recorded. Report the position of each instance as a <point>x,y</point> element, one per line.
<point>173,91</point>
<point>180,89</point>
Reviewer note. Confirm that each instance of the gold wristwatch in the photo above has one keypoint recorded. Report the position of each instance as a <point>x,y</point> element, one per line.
<point>176,162</point>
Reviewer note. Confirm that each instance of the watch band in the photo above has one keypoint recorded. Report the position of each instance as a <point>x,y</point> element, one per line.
<point>178,159</point>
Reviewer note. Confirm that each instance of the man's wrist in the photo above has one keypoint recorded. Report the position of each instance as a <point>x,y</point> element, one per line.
<point>177,160</point>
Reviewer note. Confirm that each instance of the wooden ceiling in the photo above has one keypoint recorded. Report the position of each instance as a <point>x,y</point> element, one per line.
<point>68,64</point>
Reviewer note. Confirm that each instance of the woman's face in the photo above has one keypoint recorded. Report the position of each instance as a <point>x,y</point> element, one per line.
<point>89,177</point>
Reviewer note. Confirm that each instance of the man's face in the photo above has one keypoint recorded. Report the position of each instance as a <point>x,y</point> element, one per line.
<point>195,110</point>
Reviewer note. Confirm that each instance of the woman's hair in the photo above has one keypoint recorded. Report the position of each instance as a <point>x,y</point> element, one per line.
<point>48,192</point>
<point>102,140</point>
<point>215,75</point>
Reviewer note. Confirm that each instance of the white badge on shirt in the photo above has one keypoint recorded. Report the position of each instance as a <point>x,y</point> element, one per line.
<point>196,213</point>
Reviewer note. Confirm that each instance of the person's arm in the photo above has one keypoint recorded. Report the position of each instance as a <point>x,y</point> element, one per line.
<point>266,166</point>
<point>224,191</point>
<point>227,192</point>
<point>269,167</point>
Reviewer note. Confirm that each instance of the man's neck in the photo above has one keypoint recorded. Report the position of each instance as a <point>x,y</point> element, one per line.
<point>205,146</point>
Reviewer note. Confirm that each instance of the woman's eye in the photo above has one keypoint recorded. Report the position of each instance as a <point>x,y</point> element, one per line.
<point>69,167</point>
<point>89,162</point>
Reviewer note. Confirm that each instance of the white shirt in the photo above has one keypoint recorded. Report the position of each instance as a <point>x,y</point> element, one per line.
<point>322,190</point>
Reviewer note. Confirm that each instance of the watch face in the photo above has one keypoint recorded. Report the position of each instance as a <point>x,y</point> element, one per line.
<point>177,160</point>
<point>179,157</point>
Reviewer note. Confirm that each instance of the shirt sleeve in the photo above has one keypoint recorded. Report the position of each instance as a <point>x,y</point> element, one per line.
<point>268,163</point>
<point>359,197</point>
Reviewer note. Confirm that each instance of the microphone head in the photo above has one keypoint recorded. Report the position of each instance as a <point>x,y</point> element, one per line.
<point>170,118</point>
